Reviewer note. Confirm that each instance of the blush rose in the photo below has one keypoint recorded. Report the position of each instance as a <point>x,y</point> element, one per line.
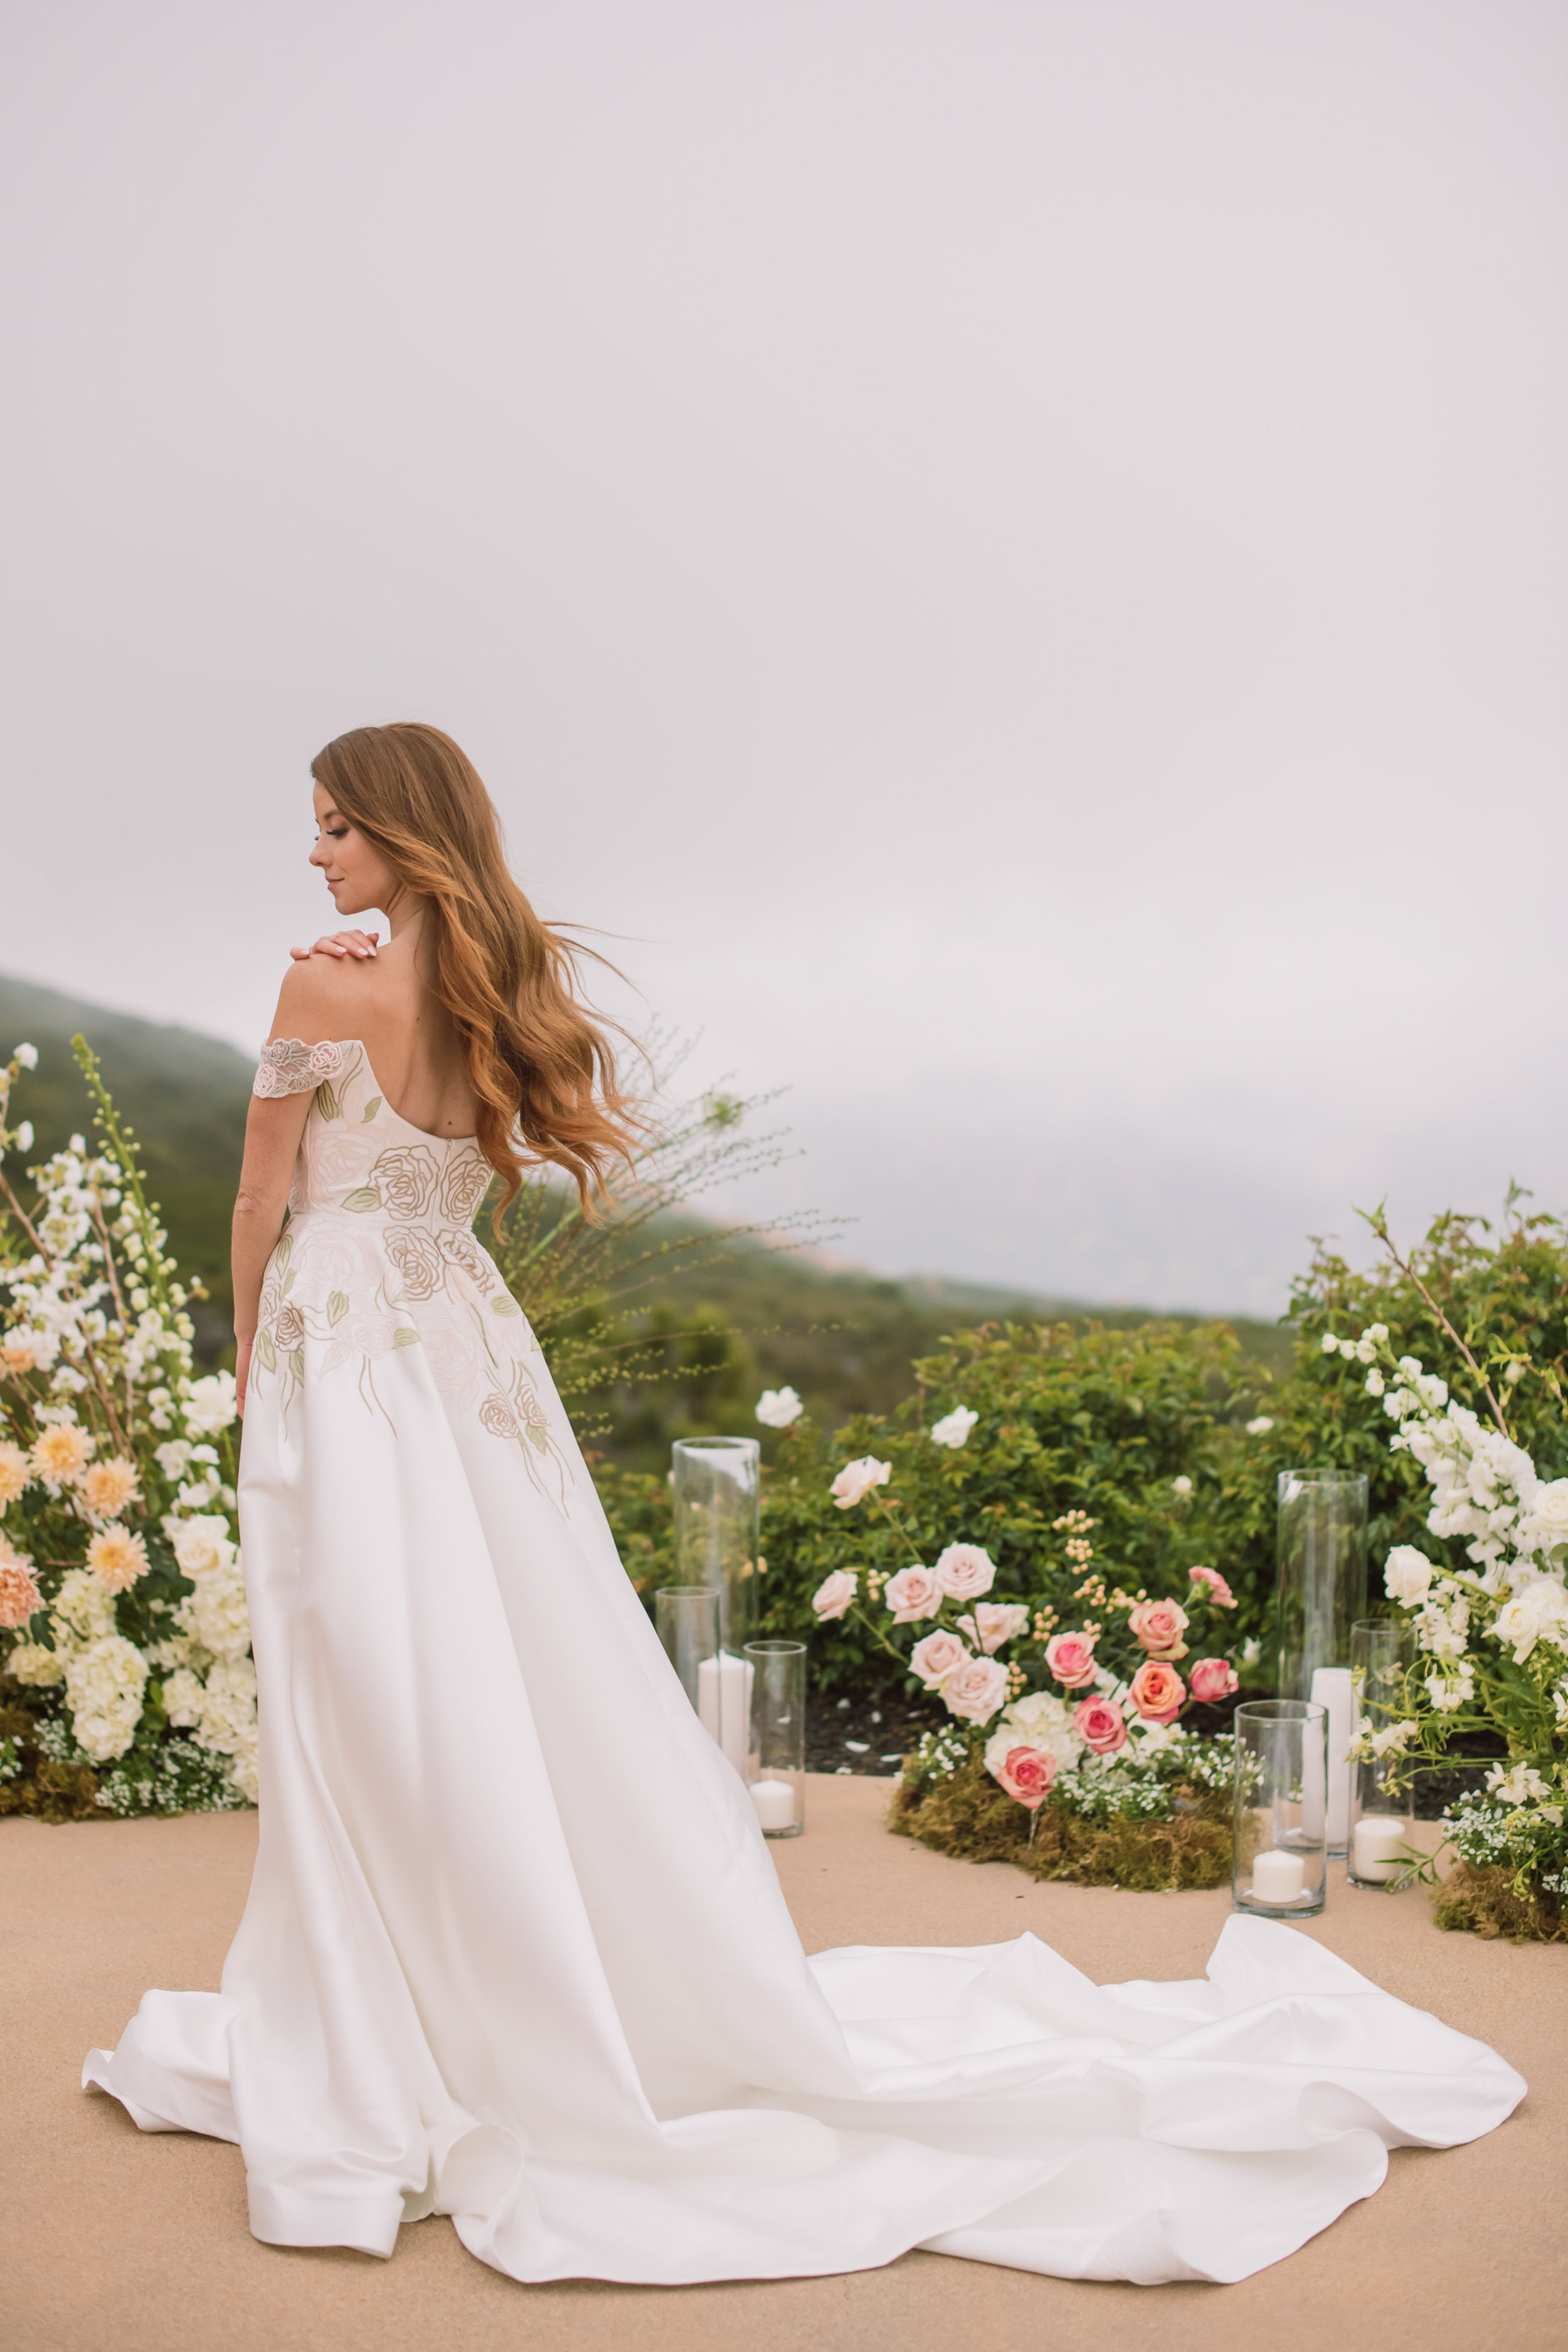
<point>1212,1678</point>
<point>1219,1592</point>
<point>1100,1726</point>
<point>1028,1773</point>
<point>939,1655</point>
<point>977,1690</point>
<point>1070,1657</point>
<point>965,1571</point>
<point>912,1594</point>
<point>834,1594</point>
<point>1159,1625</point>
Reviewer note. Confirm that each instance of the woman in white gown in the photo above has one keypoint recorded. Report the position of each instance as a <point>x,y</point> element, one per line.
<point>514,1949</point>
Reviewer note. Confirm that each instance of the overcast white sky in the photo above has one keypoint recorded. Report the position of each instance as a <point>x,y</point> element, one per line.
<point>1014,550</point>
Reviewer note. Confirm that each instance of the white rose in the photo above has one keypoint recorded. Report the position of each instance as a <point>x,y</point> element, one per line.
<point>1538,1613</point>
<point>953,1428</point>
<point>1547,1526</point>
<point>776,1408</point>
<point>857,1480</point>
<point>1261,1427</point>
<point>202,1545</point>
<point>1407,1574</point>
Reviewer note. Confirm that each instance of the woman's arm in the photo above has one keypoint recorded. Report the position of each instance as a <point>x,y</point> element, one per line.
<point>272,1132</point>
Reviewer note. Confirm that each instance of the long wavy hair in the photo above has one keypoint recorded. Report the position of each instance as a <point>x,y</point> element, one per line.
<point>543,1069</point>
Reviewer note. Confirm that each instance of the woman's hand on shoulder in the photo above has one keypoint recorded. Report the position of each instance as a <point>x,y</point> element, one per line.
<point>339,944</point>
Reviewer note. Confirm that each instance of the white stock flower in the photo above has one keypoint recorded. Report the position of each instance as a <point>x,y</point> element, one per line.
<point>1377,1333</point>
<point>1517,1784</point>
<point>856,1480</point>
<point>953,1428</point>
<point>1374,1383</point>
<point>1407,1574</point>
<point>1392,1738</point>
<point>1348,1350</point>
<point>1183,1486</point>
<point>776,1408</point>
<point>1454,1690</point>
<point>104,1682</point>
<point>1366,1350</point>
<point>28,1055</point>
<point>1261,1426</point>
<point>1330,1346</point>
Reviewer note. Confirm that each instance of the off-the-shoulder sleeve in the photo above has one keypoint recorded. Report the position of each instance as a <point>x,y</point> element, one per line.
<point>289,1066</point>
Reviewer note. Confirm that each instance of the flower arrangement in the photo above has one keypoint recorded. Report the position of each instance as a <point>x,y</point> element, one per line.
<point>1081,1714</point>
<point>1486,1604</point>
<point>126,1682</point>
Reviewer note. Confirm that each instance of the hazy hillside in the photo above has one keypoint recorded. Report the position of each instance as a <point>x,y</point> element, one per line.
<point>843,1337</point>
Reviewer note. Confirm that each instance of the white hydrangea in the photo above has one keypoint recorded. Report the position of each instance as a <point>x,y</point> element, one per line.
<point>32,1663</point>
<point>227,1720</point>
<point>104,1687</point>
<point>82,1611</point>
<point>182,1696</point>
<point>216,1611</point>
<point>1044,1721</point>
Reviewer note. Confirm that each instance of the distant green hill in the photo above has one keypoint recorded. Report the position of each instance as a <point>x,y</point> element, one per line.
<point>726,1326</point>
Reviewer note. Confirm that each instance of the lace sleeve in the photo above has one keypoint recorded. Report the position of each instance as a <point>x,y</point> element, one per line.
<point>289,1066</point>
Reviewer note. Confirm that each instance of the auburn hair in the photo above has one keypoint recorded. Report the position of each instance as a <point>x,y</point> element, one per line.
<point>543,1070</point>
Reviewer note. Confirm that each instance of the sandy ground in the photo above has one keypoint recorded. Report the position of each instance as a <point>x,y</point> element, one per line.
<point>110,2242</point>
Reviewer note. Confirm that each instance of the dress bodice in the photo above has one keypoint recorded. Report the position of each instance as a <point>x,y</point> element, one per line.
<point>358,1156</point>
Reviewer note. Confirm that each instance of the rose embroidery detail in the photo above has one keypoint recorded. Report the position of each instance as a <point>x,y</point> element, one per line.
<point>415,1255</point>
<point>464,1183</point>
<point>289,1328</point>
<point>465,1254</point>
<point>404,1176</point>
<point>496,1415</point>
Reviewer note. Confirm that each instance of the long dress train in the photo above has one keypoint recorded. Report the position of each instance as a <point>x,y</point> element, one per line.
<point>515,1950</point>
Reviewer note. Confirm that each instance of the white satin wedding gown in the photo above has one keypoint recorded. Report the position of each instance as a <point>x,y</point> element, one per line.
<point>515,1950</point>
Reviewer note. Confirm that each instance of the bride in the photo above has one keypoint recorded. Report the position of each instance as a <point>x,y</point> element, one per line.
<point>514,1949</point>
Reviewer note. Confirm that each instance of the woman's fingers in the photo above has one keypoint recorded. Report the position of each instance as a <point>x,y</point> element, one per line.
<point>339,943</point>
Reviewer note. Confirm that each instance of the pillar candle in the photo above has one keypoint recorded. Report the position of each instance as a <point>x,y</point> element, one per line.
<point>725,1703</point>
<point>1332,1689</point>
<point>1277,1877</point>
<point>775,1801</point>
<point>1378,1839</point>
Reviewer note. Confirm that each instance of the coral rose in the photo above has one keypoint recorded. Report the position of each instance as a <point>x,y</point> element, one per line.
<point>977,1690</point>
<point>939,1655</point>
<point>965,1571</point>
<point>1219,1592</point>
<point>1028,1773</point>
<point>1212,1678</point>
<point>1070,1657</point>
<point>19,1596</point>
<point>912,1594</point>
<point>1159,1626</point>
<point>834,1594</point>
<point>856,1480</point>
<point>1157,1692</point>
<point>1100,1726</point>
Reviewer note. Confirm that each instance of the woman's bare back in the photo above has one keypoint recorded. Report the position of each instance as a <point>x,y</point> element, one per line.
<point>407,1033</point>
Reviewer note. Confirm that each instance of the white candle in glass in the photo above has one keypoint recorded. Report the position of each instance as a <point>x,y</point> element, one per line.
<point>775,1801</point>
<point>1378,1840</point>
<point>1277,1877</point>
<point>725,1703</point>
<point>1332,1689</point>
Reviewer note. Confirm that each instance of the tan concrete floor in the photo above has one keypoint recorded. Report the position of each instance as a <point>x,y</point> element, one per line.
<point>110,2242</point>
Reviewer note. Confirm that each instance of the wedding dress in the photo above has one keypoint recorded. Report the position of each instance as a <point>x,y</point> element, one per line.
<point>515,1950</point>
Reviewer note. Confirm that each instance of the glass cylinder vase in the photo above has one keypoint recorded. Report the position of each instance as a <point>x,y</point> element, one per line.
<point>717,1487</point>
<point>776,1763</point>
<point>1322,1572</point>
<point>1382,1823</point>
<point>1280,1818</point>
<point>687,1618</point>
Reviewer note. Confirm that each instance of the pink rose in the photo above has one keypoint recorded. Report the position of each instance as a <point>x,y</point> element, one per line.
<point>994,1623</point>
<point>977,1690</point>
<point>857,1480</point>
<point>965,1571</point>
<point>1070,1657</point>
<point>834,1594</point>
<point>1100,1726</point>
<point>1157,1692</point>
<point>1219,1592</point>
<point>913,1593</point>
<point>1212,1678</point>
<point>1026,1773</point>
<point>1159,1626</point>
<point>939,1655</point>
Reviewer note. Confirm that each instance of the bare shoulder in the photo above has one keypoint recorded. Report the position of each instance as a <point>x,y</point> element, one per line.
<point>325,997</point>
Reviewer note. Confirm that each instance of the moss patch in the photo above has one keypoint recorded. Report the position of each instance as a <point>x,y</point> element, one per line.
<point>45,1790</point>
<point>1482,1900</point>
<point>971,1817</point>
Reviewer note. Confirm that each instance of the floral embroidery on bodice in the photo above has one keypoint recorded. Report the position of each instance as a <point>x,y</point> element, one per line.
<point>379,1255</point>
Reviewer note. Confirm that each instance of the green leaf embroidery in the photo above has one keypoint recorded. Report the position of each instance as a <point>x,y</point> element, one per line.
<point>367,1197</point>
<point>266,1353</point>
<point>337,1305</point>
<point>327,1101</point>
<point>297,1363</point>
<point>286,1285</point>
<point>537,1435</point>
<point>505,1303</point>
<point>405,1338</point>
<point>284,1252</point>
<point>371,1108</point>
